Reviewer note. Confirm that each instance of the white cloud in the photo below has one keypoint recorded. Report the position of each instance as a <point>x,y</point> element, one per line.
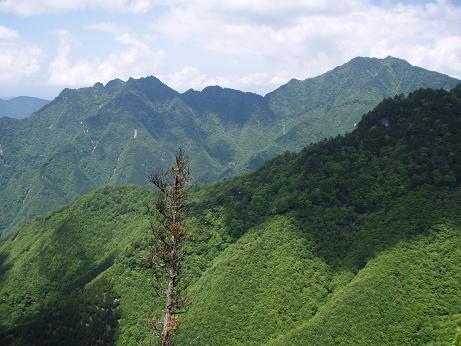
<point>108,27</point>
<point>191,77</point>
<point>252,45</point>
<point>17,62</point>
<point>39,7</point>
<point>271,12</point>
<point>7,33</point>
<point>135,59</point>
<point>300,38</point>
<point>18,59</point>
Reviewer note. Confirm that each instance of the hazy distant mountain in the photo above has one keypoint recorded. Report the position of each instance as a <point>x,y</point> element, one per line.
<point>21,106</point>
<point>118,132</point>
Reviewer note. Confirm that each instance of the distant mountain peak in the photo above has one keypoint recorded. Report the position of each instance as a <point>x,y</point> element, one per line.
<point>152,87</point>
<point>21,106</point>
<point>211,88</point>
<point>389,60</point>
<point>146,80</point>
<point>114,84</point>
<point>390,57</point>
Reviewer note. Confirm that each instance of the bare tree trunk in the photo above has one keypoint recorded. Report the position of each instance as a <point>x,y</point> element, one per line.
<point>164,255</point>
<point>167,327</point>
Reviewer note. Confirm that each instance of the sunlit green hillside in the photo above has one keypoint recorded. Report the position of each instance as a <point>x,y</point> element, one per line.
<point>353,241</point>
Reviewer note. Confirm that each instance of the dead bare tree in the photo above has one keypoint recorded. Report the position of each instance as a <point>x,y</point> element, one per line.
<point>165,255</point>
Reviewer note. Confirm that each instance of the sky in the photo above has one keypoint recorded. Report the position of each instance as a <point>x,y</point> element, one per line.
<point>257,45</point>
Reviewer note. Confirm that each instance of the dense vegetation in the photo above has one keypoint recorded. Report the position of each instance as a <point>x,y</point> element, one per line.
<point>334,102</point>
<point>118,132</point>
<point>21,106</point>
<point>353,241</point>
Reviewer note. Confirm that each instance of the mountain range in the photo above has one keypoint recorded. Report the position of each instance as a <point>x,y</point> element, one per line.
<point>352,241</point>
<point>121,131</point>
<point>21,106</point>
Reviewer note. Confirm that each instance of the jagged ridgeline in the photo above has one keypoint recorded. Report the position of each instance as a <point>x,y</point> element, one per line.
<point>353,241</point>
<point>118,132</point>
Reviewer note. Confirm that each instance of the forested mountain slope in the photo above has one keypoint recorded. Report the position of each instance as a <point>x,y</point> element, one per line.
<point>353,241</point>
<point>118,132</point>
<point>21,106</point>
<point>333,103</point>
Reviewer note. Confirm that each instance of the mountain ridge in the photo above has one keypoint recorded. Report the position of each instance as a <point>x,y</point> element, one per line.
<point>119,132</point>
